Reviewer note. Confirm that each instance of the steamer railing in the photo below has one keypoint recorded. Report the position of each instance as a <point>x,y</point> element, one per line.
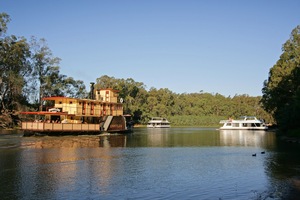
<point>55,127</point>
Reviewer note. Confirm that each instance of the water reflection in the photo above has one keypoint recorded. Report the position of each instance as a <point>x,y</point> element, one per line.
<point>185,137</point>
<point>246,138</point>
<point>176,137</point>
<point>75,141</point>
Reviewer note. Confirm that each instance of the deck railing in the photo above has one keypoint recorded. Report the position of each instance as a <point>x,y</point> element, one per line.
<point>55,127</point>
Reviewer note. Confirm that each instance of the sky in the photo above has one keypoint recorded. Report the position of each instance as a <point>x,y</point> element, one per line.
<point>187,46</point>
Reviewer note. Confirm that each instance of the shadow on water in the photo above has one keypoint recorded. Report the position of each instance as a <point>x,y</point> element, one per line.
<point>283,165</point>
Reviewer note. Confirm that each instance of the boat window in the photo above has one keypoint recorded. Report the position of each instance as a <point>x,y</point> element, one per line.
<point>228,124</point>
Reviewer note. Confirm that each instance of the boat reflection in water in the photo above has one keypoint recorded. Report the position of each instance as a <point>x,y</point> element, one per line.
<point>113,141</point>
<point>245,138</point>
<point>85,141</point>
<point>158,138</point>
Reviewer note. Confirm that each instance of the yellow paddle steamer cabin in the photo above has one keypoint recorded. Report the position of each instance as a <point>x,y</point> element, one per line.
<point>103,112</point>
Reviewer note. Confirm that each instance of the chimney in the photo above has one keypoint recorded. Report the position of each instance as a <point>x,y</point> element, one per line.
<point>92,90</point>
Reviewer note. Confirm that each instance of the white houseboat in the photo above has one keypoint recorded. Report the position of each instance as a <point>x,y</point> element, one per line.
<point>158,122</point>
<point>244,123</point>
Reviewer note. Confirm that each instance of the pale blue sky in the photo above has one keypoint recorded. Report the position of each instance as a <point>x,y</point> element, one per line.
<point>224,47</point>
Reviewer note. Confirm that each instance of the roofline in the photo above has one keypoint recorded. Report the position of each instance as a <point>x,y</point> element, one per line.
<point>57,97</point>
<point>86,100</point>
<point>44,113</point>
<point>111,89</point>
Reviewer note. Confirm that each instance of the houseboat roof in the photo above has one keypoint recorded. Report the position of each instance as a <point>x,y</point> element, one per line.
<point>45,113</point>
<point>78,99</point>
<point>111,89</point>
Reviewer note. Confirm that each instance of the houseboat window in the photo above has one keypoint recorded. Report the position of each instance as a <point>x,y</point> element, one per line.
<point>246,124</point>
<point>71,102</point>
<point>228,124</point>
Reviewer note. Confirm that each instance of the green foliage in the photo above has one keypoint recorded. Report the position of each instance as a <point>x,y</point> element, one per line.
<point>281,92</point>
<point>4,19</point>
<point>14,68</point>
<point>194,109</point>
<point>194,120</point>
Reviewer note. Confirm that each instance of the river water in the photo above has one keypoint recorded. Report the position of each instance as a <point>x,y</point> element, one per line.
<point>175,163</point>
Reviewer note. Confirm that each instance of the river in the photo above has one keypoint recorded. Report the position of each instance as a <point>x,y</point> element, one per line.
<point>175,163</point>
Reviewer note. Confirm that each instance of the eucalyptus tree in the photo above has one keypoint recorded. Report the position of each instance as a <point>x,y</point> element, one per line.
<point>14,68</point>
<point>106,82</point>
<point>47,77</point>
<point>73,88</point>
<point>46,70</point>
<point>282,89</point>
<point>134,95</point>
<point>4,20</point>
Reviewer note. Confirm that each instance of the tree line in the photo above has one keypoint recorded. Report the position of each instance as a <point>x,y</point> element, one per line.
<point>187,109</point>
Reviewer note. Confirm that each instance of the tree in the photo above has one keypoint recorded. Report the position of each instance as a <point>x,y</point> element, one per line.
<point>4,19</point>
<point>14,68</point>
<point>47,77</point>
<point>281,90</point>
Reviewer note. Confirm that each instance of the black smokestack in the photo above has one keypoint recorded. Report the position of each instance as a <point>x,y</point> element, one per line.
<point>91,90</point>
